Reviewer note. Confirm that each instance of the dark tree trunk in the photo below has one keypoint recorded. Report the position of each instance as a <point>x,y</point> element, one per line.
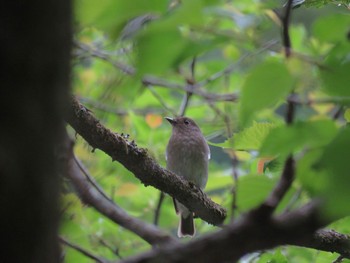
<point>35,40</point>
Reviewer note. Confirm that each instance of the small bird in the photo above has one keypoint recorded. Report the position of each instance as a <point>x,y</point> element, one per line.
<point>187,155</point>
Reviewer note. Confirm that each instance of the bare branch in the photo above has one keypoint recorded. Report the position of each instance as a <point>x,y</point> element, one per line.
<point>285,22</point>
<point>82,251</point>
<point>94,196</point>
<point>194,89</point>
<point>159,206</point>
<point>99,54</point>
<point>290,112</point>
<point>120,112</point>
<point>142,165</point>
<point>234,164</point>
<point>161,101</point>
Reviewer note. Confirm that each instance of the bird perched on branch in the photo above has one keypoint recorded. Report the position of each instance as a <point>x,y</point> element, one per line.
<point>187,155</point>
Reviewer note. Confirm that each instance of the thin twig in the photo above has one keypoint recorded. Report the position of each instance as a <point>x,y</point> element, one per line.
<point>161,101</point>
<point>290,112</point>
<point>89,177</point>
<point>115,251</point>
<point>335,100</point>
<point>159,206</point>
<point>285,23</point>
<point>82,250</point>
<point>99,54</point>
<point>338,112</point>
<point>112,109</point>
<point>234,163</point>
<point>339,259</point>
<point>190,87</point>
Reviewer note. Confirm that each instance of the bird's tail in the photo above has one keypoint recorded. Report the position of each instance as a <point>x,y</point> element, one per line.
<point>186,226</point>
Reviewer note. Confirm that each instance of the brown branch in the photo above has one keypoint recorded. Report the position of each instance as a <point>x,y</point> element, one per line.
<point>120,112</point>
<point>287,177</point>
<point>190,86</point>
<point>106,57</point>
<point>269,205</point>
<point>114,250</point>
<point>332,241</point>
<point>82,251</point>
<point>93,196</point>
<point>194,89</point>
<point>234,164</point>
<point>142,165</point>
<point>290,112</point>
<point>248,235</point>
<point>285,29</point>
<point>151,80</point>
<point>159,206</point>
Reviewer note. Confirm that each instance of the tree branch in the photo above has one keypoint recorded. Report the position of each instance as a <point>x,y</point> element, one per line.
<point>332,241</point>
<point>142,165</point>
<point>92,195</point>
<point>250,234</point>
<point>82,251</point>
<point>269,205</point>
<point>285,23</point>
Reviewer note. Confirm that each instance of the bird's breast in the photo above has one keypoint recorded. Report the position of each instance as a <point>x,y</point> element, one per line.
<point>189,159</point>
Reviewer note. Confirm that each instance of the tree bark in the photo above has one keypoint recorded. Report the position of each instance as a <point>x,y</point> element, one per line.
<point>35,53</point>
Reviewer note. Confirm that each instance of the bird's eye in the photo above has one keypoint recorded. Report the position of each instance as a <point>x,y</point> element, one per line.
<point>186,122</point>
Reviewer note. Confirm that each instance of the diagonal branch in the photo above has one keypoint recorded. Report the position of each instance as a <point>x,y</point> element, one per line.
<point>142,165</point>
<point>92,195</point>
<point>269,205</point>
<point>82,251</point>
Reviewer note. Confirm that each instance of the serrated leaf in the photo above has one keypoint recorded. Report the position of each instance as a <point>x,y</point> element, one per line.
<point>252,137</point>
<point>264,87</point>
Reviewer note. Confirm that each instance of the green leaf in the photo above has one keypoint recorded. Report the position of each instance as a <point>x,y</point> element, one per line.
<point>112,15</point>
<point>264,87</point>
<point>333,28</point>
<point>287,139</point>
<point>336,161</point>
<point>325,174</point>
<point>158,50</point>
<point>252,190</point>
<point>252,137</point>
<point>347,115</point>
<point>335,75</point>
<point>313,180</point>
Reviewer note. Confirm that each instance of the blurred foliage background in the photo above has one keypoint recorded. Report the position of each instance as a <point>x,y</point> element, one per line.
<point>133,62</point>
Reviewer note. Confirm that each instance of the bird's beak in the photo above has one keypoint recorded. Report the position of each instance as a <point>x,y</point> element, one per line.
<point>170,120</point>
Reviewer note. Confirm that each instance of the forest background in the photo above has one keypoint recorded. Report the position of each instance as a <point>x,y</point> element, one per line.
<point>267,82</point>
